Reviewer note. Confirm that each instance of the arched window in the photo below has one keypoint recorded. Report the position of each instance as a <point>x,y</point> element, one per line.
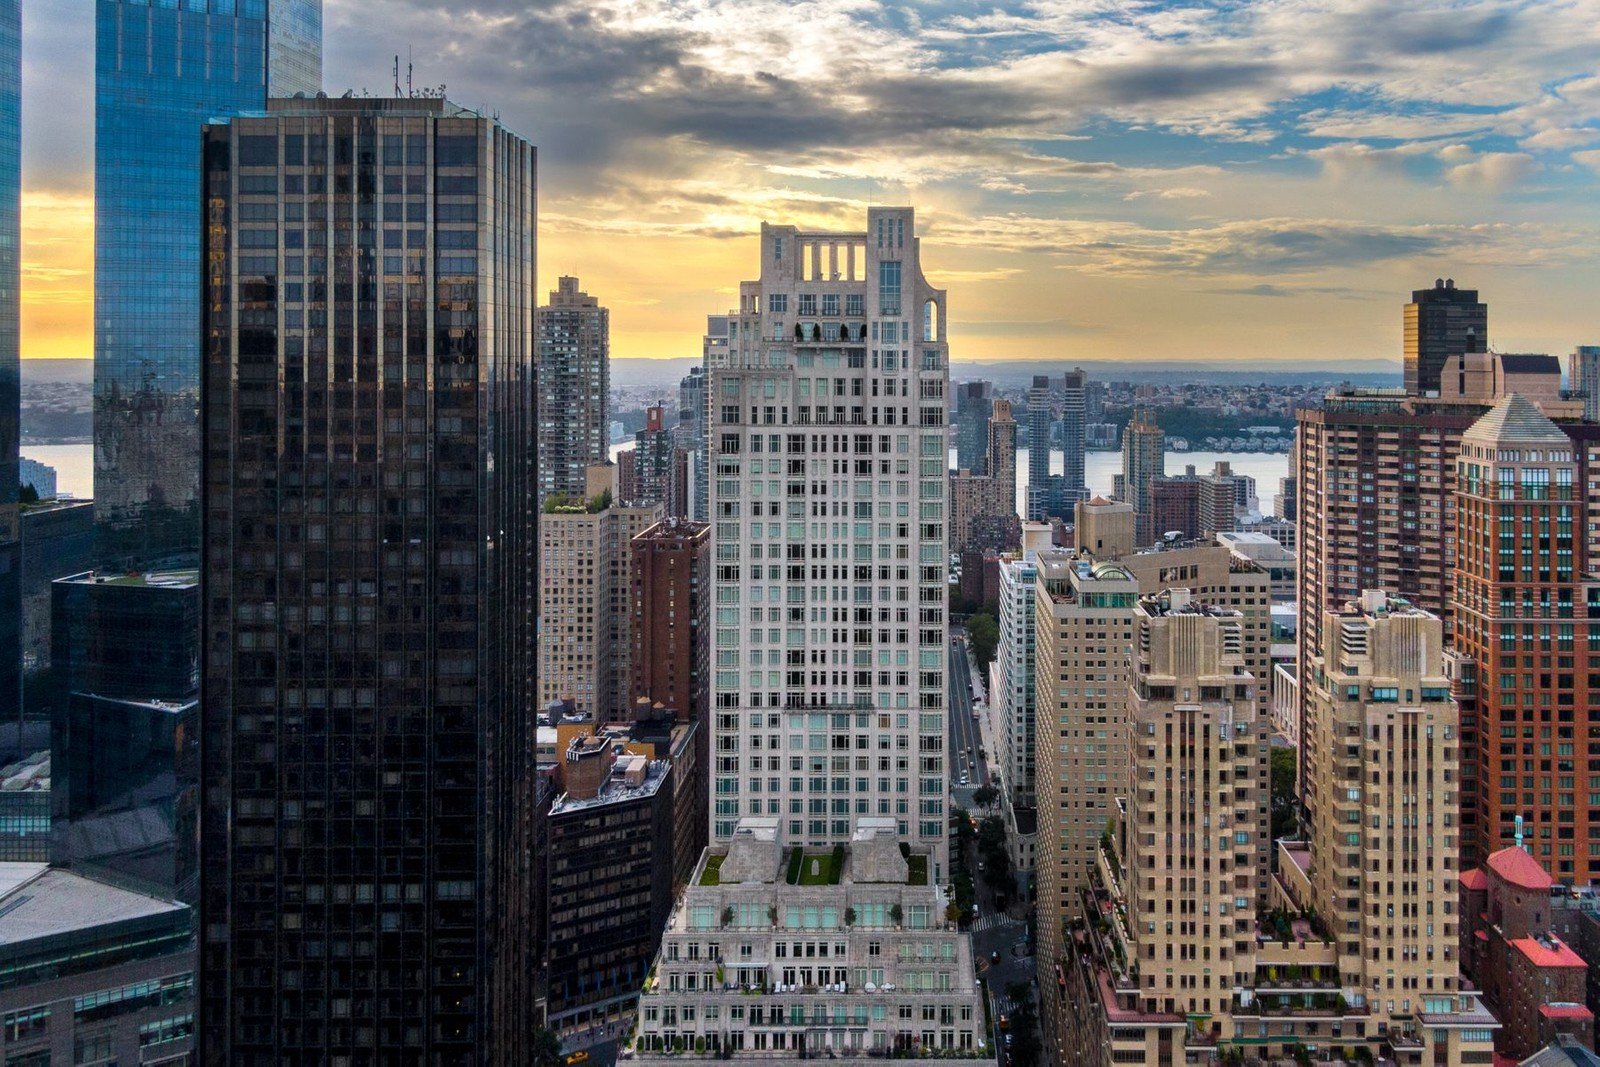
<point>930,321</point>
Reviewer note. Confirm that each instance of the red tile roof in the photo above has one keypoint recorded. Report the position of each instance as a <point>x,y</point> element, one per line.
<point>1520,869</point>
<point>1474,879</point>
<point>1565,1011</point>
<point>1553,954</point>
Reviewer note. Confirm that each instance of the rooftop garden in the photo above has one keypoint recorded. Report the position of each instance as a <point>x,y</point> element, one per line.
<point>563,504</point>
<point>816,868</point>
<point>712,874</point>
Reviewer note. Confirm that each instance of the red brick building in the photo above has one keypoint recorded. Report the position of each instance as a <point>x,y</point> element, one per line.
<point>671,616</point>
<point>1532,980</point>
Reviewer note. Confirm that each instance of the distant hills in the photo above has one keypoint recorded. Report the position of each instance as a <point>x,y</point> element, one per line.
<point>72,371</point>
<point>663,374</point>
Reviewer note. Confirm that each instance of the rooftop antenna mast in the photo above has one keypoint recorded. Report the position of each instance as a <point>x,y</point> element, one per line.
<point>409,68</point>
<point>397,75</point>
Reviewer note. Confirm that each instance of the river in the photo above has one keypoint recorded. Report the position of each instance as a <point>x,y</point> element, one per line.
<point>74,466</point>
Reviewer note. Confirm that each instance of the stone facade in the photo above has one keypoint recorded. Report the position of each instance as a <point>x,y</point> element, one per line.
<point>781,952</point>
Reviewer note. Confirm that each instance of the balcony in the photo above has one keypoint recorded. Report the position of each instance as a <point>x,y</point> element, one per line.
<point>1308,1005</point>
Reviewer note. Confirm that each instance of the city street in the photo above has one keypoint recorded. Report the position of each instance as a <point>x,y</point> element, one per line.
<point>993,932</point>
<point>965,738</point>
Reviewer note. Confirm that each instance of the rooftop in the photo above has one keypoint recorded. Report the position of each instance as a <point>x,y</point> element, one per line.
<point>38,901</point>
<point>1548,951</point>
<point>617,791</point>
<point>1516,419</point>
<point>1520,869</point>
<point>27,775</point>
<point>152,579</point>
<point>1565,1051</point>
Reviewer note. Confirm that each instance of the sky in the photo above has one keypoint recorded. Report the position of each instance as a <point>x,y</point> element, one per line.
<point>1225,181</point>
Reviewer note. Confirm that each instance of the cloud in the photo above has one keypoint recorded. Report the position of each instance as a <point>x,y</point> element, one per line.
<point>1182,192</point>
<point>1035,133</point>
<point>1493,170</point>
<point>1268,289</point>
<point>1590,159</point>
<point>1260,248</point>
<point>1561,139</point>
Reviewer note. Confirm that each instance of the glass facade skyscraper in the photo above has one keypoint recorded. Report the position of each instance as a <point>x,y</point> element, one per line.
<point>369,520</point>
<point>161,71</point>
<point>10,367</point>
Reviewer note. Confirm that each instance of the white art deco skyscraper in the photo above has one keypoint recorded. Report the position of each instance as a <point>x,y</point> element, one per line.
<point>827,447</point>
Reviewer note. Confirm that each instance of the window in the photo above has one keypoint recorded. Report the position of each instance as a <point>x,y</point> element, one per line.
<point>25,1024</point>
<point>889,287</point>
<point>777,303</point>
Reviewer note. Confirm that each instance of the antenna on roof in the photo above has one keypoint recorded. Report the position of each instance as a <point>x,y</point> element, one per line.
<point>397,75</point>
<point>409,67</point>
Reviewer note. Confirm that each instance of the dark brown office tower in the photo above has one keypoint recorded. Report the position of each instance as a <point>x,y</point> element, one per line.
<point>1442,324</point>
<point>368,528</point>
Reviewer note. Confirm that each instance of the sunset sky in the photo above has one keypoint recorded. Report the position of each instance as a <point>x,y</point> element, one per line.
<point>1097,179</point>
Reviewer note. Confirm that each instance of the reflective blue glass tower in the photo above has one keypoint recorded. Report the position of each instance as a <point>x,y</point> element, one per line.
<point>161,71</point>
<point>10,368</point>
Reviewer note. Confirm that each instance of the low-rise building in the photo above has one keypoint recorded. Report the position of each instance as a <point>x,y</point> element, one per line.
<point>777,952</point>
<point>90,973</point>
<point>1510,947</point>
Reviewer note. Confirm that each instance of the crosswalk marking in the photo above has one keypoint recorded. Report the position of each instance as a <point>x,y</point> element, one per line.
<point>992,921</point>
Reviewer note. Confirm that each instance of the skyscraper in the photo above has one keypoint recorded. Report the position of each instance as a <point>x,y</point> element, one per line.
<point>1358,953</point>
<point>161,72</point>
<point>367,764</point>
<point>574,388</point>
<point>974,406</point>
<point>828,445</point>
<point>1441,324</point>
<point>1144,459</point>
<point>1041,414</point>
<point>1522,598</point>
<point>660,467</point>
<point>1377,474</point>
<point>10,353</point>
<point>1074,427</point>
<point>690,433</point>
<point>983,507</point>
<point>1583,374</point>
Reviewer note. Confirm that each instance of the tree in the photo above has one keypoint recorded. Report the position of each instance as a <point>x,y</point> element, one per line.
<point>27,494</point>
<point>983,633</point>
<point>985,796</point>
<point>1284,767</point>
<point>547,1049</point>
<point>1025,1046</point>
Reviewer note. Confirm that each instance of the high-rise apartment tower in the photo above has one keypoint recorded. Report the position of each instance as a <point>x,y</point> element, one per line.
<point>574,388</point>
<point>827,447</point>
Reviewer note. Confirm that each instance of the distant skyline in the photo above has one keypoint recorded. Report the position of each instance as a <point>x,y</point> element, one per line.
<point>1097,180</point>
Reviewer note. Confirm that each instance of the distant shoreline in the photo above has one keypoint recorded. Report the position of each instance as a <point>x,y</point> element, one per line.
<point>42,441</point>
